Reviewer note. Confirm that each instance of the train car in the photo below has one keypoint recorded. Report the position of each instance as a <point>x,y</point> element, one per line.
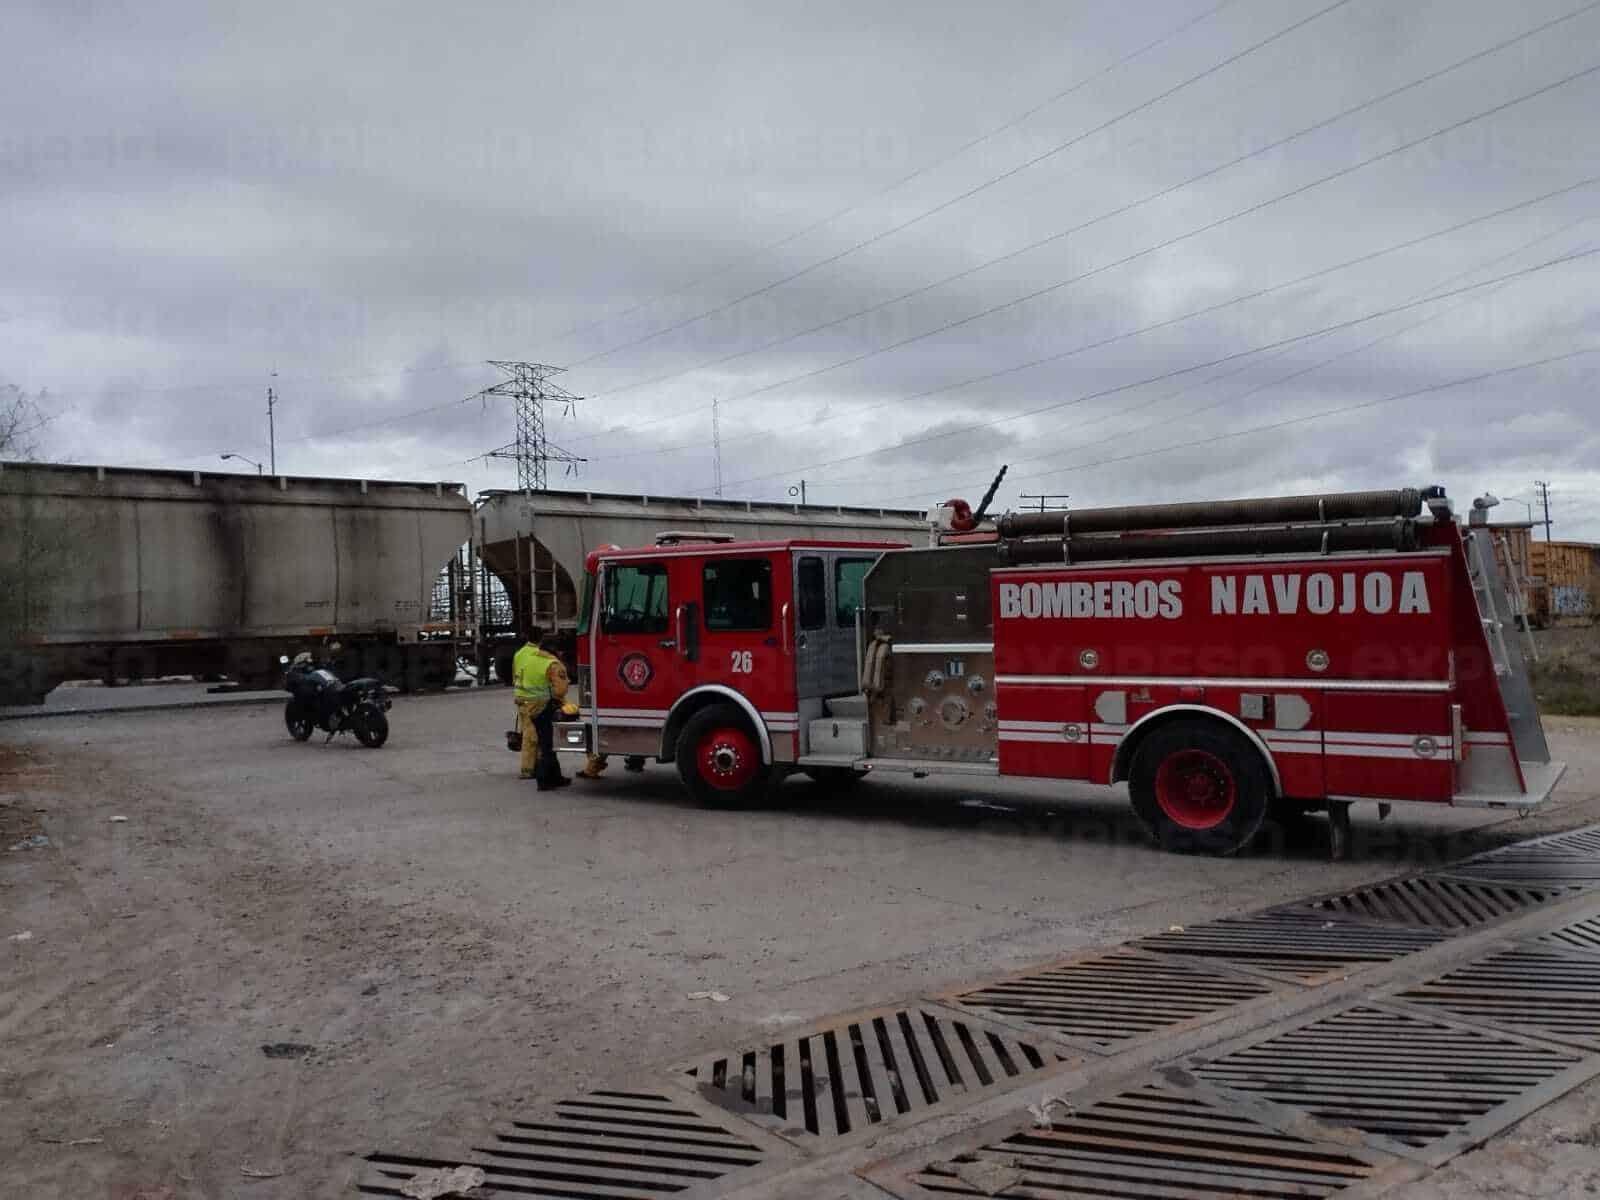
<point>1564,576</point>
<point>534,543</point>
<point>119,574</point>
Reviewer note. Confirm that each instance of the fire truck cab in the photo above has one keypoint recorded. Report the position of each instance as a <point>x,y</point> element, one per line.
<point>1225,661</point>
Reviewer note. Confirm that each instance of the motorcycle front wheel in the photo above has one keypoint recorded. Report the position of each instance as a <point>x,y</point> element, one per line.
<point>299,721</point>
<point>371,727</point>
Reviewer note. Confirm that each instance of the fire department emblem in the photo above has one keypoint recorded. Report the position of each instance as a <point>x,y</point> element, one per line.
<point>635,672</point>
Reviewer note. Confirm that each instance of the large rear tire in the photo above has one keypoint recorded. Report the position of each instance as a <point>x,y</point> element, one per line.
<point>1200,787</point>
<point>719,758</point>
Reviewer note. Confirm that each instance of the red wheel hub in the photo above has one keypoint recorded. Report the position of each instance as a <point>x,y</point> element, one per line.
<point>1196,789</point>
<point>728,758</point>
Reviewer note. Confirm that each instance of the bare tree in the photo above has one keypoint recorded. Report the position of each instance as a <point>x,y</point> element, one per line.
<point>35,552</point>
<point>21,419</point>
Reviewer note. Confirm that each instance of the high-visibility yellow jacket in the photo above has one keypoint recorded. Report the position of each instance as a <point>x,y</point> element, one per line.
<point>530,674</point>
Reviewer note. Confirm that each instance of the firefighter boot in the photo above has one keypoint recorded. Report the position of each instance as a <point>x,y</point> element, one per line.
<point>594,767</point>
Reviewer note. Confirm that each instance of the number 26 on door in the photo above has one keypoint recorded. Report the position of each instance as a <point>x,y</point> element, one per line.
<point>741,663</point>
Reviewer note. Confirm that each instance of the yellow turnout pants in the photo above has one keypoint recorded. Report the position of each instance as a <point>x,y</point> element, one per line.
<point>526,711</point>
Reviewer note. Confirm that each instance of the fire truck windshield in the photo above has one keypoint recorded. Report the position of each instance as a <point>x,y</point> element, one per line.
<point>586,606</point>
<point>636,598</point>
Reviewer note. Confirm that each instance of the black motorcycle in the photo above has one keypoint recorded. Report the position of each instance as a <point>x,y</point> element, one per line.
<point>319,699</point>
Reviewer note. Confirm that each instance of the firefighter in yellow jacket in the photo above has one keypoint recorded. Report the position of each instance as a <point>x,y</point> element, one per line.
<point>541,685</point>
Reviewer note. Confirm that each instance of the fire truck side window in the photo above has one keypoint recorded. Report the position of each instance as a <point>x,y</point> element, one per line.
<point>849,585</point>
<point>636,598</point>
<point>812,578</point>
<point>738,594</point>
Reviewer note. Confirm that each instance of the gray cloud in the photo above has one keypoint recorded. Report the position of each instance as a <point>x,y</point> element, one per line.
<point>373,200</point>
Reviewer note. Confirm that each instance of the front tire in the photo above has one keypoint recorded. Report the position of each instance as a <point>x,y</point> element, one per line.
<point>371,728</point>
<point>719,758</point>
<point>1200,788</point>
<point>299,721</point>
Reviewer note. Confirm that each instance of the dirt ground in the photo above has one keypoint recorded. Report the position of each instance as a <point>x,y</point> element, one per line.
<point>1553,1155</point>
<point>288,956</point>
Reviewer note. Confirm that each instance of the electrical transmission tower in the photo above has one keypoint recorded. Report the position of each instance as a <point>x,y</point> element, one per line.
<point>529,385</point>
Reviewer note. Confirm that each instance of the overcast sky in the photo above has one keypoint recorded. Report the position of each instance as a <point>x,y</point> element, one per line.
<point>900,244</point>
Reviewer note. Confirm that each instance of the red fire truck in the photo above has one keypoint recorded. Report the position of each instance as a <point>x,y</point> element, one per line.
<point>1227,661</point>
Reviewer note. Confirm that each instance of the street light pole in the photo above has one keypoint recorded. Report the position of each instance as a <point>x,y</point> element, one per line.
<point>1527,504</point>
<point>242,458</point>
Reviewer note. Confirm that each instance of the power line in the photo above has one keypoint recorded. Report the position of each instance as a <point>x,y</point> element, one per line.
<point>1085,348</point>
<point>1206,228</point>
<point>986,185</point>
<point>967,429</point>
<point>329,434</point>
<point>1121,210</point>
<point>1203,229</point>
<point>1426,296</point>
<point>246,385</point>
<point>971,144</point>
<point>1339,411</point>
<point>1317,416</point>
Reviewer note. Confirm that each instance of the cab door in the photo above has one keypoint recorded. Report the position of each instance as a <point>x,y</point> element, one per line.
<point>636,654</point>
<point>827,593</point>
<point>745,622</point>
<point>810,624</point>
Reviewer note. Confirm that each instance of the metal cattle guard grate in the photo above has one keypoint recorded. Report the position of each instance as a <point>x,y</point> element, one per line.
<point>1580,935</point>
<point>605,1144</point>
<point>1532,869</point>
<point>1299,946</point>
<point>1409,1079</point>
<point>847,1077</point>
<point>1580,843</point>
<point>1437,903</point>
<point>1151,1141</point>
<point>1114,997</point>
<point>1572,858</point>
<point>1528,990</point>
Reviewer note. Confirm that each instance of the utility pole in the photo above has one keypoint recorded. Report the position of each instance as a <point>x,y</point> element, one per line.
<point>1542,489</point>
<point>716,442</point>
<point>529,385</point>
<point>272,430</point>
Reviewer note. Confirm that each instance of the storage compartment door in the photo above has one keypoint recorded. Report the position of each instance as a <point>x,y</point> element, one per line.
<point>1043,731</point>
<point>1389,745</point>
